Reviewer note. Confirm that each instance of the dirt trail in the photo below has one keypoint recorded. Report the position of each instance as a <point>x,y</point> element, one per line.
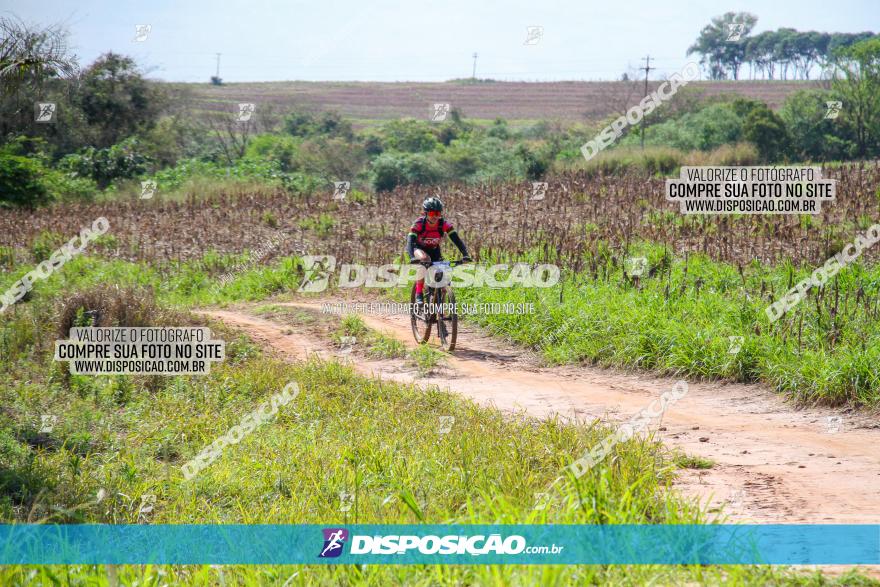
<point>773,463</point>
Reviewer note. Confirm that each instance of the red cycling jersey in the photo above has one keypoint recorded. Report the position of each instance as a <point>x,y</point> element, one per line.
<point>428,237</point>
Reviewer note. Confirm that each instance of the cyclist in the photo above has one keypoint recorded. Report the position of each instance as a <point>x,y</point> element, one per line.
<point>426,233</point>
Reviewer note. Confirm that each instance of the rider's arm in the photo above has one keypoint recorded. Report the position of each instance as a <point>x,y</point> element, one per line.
<point>456,240</point>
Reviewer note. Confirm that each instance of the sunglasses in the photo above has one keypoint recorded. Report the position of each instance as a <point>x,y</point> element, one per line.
<point>433,213</point>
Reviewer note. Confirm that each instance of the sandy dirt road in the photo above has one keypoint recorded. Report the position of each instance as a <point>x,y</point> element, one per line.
<point>773,463</point>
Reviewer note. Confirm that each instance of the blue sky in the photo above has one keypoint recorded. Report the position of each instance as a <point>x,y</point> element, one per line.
<point>383,40</point>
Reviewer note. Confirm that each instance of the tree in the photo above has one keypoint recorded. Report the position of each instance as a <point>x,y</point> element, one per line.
<point>759,51</point>
<point>721,43</point>
<point>31,61</point>
<point>30,56</point>
<point>232,135</point>
<point>784,50</point>
<point>857,80</point>
<point>123,160</point>
<point>813,136</point>
<point>116,100</point>
<point>763,128</point>
<point>768,51</point>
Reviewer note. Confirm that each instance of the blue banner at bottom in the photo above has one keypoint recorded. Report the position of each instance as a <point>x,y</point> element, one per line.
<point>441,544</point>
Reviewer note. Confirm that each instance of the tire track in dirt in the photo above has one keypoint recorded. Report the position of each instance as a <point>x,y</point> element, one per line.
<point>773,463</point>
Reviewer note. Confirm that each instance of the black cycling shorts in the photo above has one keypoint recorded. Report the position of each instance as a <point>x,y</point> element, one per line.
<point>433,253</point>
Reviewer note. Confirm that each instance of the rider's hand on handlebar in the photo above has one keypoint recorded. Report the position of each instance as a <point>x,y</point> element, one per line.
<point>414,261</point>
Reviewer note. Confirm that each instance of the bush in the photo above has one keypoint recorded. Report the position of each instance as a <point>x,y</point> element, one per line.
<point>280,148</point>
<point>304,124</point>
<point>536,164</point>
<point>62,186</point>
<point>331,159</point>
<point>46,243</point>
<point>497,161</point>
<point>168,142</point>
<point>652,160</point>
<point>499,129</point>
<point>814,137</point>
<point>20,182</point>
<point>111,306</point>
<point>725,156</point>
<point>766,130</point>
<point>711,127</point>
<point>121,161</point>
<point>409,135</point>
<point>390,170</point>
<point>264,171</point>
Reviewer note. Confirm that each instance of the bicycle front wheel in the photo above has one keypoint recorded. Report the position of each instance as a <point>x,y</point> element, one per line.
<point>447,320</point>
<point>421,327</point>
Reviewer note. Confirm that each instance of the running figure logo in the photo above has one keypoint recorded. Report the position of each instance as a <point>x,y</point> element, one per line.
<point>44,112</point>
<point>334,541</point>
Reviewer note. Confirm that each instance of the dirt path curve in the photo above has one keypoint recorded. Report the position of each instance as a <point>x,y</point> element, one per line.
<point>773,463</point>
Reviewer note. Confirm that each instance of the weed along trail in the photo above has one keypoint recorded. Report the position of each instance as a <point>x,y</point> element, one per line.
<point>771,462</point>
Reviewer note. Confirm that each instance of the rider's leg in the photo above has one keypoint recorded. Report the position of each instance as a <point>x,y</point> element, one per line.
<point>435,256</point>
<point>420,283</point>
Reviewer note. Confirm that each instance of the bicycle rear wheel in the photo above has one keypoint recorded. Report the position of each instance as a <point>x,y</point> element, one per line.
<point>447,321</point>
<point>421,327</point>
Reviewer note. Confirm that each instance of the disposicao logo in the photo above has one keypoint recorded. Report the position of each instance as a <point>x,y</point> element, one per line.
<point>334,541</point>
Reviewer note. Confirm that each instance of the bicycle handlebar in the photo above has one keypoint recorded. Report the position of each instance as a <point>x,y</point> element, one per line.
<point>429,262</point>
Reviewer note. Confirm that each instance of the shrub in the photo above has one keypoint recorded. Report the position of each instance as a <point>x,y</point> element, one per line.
<point>112,306</point>
<point>122,160</point>
<point>331,159</point>
<point>20,183</point>
<point>280,148</point>
<point>167,142</point>
<point>652,160</point>
<point>46,243</point>
<point>409,135</point>
<point>725,155</point>
<point>304,124</point>
<point>392,169</point>
<point>711,127</point>
<point>766,130</point>
<point>813,137</point>
<point>535,164</point>
<point>62,186</point>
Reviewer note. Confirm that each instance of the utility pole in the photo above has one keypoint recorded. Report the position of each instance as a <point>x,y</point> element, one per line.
<point>474,74</point>
<point>647,68</point>
<point>218,65</point>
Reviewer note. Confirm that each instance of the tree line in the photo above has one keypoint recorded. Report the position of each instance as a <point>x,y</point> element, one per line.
<point>726,45</point>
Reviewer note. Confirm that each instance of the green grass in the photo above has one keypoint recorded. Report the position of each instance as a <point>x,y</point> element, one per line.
<point>425,358</point>
<point>322,225</point>
<point>376,440</point>
<point>684,461</point>
<point>386,347</point>
<point>678,321</point>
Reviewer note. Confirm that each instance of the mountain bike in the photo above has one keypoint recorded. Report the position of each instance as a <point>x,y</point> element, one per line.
<point>439,307</point>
